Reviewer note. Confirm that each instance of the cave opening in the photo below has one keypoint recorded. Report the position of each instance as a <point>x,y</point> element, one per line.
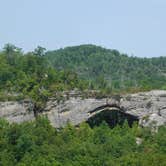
<point>112,118</point>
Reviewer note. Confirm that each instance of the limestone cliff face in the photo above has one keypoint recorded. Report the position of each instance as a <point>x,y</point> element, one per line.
<point>16,111</point>
<point>149,107</point>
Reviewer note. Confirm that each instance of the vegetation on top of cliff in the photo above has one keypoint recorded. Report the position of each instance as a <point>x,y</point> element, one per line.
<point>39,74</point>
<point>30,76</point>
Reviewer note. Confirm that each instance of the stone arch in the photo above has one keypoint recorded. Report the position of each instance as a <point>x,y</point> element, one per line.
<point>112,114</point>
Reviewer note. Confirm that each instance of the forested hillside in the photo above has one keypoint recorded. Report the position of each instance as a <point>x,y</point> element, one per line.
<point>103,67</point>
<point>38,75</point>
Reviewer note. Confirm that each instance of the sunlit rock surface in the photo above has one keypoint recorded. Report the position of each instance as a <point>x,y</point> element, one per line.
<point>16,111</point>
<point>148,107</point>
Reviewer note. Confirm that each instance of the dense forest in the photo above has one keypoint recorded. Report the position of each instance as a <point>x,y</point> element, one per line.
<point>85,67</point>
<point>109,68</point>
<point>39,144</point>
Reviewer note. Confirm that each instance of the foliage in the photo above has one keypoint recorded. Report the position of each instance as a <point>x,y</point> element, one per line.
<point>39,74</point>
<point>30,76</point>
<point>38,143</point>
<point>104,68</point>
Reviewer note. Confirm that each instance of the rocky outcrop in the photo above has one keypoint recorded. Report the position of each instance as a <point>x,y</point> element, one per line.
<point>149,107</point>
<point>16,111</point>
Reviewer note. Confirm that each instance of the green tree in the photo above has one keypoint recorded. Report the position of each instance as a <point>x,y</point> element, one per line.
<point>40,51</point>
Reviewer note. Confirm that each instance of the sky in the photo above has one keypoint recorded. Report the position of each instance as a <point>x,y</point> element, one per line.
<point>135,27</point>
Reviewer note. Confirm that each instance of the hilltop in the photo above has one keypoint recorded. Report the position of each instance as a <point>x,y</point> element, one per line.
<point>108,67</point>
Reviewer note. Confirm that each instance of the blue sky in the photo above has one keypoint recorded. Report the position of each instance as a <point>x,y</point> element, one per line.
<point>135,27</point>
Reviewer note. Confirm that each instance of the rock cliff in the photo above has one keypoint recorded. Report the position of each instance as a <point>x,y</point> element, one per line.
<point>148,107</point>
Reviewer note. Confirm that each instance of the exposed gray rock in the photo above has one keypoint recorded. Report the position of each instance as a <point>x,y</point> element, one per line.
<point>16,111</point>
<point>149,107</point>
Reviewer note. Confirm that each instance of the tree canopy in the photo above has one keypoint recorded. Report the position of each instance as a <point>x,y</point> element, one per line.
<point>102,66</point>
<point>39,144</point>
